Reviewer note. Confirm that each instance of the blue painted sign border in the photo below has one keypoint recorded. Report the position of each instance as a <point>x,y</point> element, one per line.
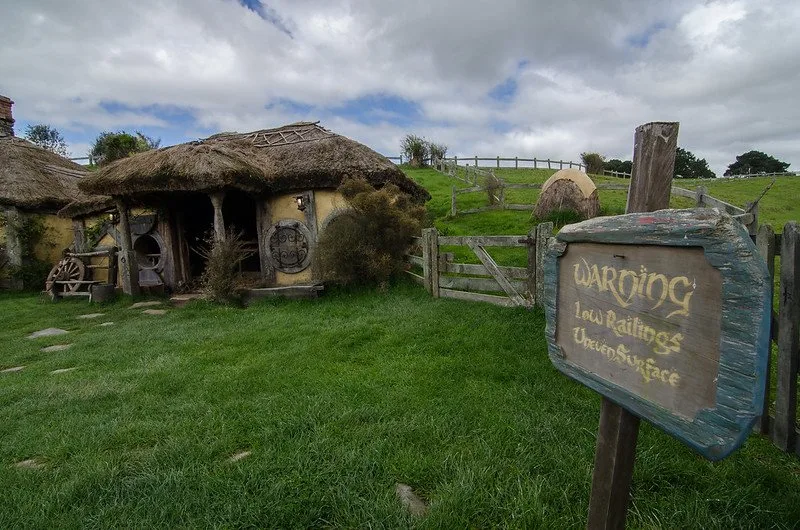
<point>744,339</point>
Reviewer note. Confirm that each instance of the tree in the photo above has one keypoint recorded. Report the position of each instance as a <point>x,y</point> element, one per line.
<point>437,151</point>
<point>112,146</point>
<point>415,149</point>
<point>620,166</point>
<point>688,166</point>
<point>593,162</point>
<point>756,162</point>
<point>47,137</point>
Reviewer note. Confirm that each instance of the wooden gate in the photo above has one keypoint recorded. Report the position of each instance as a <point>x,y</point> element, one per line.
<point>485,281</point>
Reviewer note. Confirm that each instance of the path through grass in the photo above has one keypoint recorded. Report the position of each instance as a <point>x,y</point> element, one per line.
<point>337,400</point>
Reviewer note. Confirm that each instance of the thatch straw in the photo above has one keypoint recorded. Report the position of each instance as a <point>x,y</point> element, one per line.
<point>87,207</point>
<point>33,178</point>
<point>293,157</point>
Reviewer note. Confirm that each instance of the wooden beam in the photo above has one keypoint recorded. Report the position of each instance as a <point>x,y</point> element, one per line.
<point>484,241</point>
<point>765,241</point>
<point>477,297</point>
<point>219,221</point>
<point>128,266</point>
<point>615,454</point>
<point>783,432</point>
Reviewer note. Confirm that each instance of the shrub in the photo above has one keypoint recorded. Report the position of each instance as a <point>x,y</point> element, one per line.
<point>437,151</point>
<point>415,149</point>
<point>593,162</point>
<point>219,280</point>
<point>366,244</point>
<point>32,234</point>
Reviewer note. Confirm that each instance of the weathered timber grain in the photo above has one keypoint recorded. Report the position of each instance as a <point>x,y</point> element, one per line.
<point>484,241</point>
<point>463,283</point>
<point>491,266</point>
<point>518,273</point>
<point>783,432</point>
<point>543,233</point>
<point>653,164</point>
<point>765,242</point>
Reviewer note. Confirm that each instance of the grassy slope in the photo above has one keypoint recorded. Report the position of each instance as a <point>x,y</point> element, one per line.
<point>338,400</point>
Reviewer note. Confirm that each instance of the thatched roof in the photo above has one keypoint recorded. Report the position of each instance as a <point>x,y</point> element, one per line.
<point>293,157</point>
<point>33,178</point>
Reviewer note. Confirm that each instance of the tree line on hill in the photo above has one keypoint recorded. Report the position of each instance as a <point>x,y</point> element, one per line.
<point>689,166</point>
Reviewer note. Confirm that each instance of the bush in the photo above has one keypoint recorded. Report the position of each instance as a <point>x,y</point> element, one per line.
<point>367,243</point>
<point>415,149</point>
<point>219,280</point>
<point>437,151</point>
<point>593,163</point>
<point>32,233</point>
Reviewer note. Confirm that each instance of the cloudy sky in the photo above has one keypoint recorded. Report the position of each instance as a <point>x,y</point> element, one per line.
<point>515,78</point>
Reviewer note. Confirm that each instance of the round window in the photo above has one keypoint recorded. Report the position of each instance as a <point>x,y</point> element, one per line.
<point>289,244</point>
<point>148,252</point>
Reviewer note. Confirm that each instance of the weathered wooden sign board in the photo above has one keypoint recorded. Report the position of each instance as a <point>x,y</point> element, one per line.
<point>666,314</point>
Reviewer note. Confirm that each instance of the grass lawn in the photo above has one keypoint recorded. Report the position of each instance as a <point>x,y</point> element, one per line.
<point>337,400</point>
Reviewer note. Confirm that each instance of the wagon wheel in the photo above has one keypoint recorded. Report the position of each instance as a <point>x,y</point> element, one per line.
<point>67,270</point>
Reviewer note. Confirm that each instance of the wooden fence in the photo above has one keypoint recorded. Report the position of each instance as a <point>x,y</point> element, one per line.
<point>485,281</point>
<point>781,426</point>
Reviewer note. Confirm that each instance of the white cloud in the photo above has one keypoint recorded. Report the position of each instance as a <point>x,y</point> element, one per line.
<point>587,73</point>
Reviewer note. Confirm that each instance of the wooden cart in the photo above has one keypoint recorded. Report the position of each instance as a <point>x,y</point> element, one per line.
<point>73,276</point>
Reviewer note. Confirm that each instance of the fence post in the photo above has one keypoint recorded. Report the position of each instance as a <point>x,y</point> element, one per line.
<point>534,163</point>
<point>570,164</point>
<point>516,162</point>
<point>543,232</point>
<point>765,241</point>
<point>752,226</point>
<point>783,432</point>
<point>455,160</point>
<point>699,192</point>
<point>453,202</point>
<point>530,281</point>
<point>502,194</point>
<point>560,164</point>
<point>498,161</point>
<point>476,160</point>
<point>548,164</point>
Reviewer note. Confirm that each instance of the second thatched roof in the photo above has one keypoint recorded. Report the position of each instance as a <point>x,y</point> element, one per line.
<point>33,178</point>
<point>293,157</point>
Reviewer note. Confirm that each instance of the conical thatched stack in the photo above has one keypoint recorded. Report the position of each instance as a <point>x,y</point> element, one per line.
<point>568,189</point>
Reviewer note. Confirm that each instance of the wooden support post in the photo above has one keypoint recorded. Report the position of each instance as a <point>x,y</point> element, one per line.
<point>498,161</point>
<point>783,432</point>
<point>752,226</point>
<point>476,160</point>
<point>128,266</point>
<point>560,164</point>
<point>765,241</point>
<point>543,232</point>
<point>570,165</point>
<point>534,163</point>
<point>615,454</point>
<point>699,193</point>
<point>530,282</point>
<point>79,235</point>
<point>263,224</point>
<point>548,164</point>
<point>310,214</point>
<point>502,193</point>
<point>453,207</point>
<point>112,273</point>
<point>516,162</point>
<point>219,221</point>
<point>430,260</point>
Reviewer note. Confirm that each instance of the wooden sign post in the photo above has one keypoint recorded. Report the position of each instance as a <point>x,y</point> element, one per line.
<point>666,315</point>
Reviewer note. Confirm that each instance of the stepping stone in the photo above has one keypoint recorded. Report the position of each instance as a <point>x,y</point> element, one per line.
<point>410,500</point>
<point>106,324</point>
<point>137,305</point>
<point>155,311</point>
<point>49,332</point>
<point>180,300</point>
<point>63,370</point>
<point>57,347</point>
<point>239,456</point>
<point>11,370</point>
<point>90,315</point>
<point>30,463</point>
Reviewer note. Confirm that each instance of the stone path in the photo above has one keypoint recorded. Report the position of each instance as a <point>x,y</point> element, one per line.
<point>49,332</point>
<point>12,369</point>
<point>31,463</point>
<point>57,347</point>
<point>63,370</point>
<point>410,500</point>
<point>155,312</point>
<point>90,315</point>
<point>138,305</point>
<point>239,456</point>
